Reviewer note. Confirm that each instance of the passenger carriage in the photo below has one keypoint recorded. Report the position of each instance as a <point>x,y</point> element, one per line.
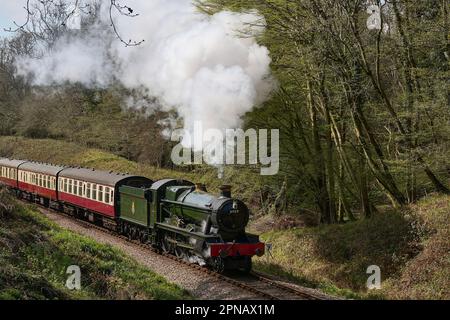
<point>39,180</point>
<point>8,171</point>
<point>95,191</point>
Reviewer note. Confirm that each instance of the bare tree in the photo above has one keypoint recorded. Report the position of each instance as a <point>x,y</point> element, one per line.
<point>47,19</point>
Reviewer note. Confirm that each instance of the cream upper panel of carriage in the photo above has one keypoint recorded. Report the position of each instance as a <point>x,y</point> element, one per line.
<point>87,190</point>
<point>8,173</point>
<point>39,174</point>
<point>8,168</point>
<point>37,179</point>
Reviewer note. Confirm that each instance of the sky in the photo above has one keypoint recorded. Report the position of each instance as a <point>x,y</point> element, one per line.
<point>11,10</point>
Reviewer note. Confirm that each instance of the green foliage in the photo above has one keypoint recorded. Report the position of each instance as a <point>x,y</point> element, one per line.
<point>379,100</point>
<point>35,254</point>
<point>410,247</point>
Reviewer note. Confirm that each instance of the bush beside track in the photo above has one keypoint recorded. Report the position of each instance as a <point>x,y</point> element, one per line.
<point>411,246</point>
<point>35,254</point>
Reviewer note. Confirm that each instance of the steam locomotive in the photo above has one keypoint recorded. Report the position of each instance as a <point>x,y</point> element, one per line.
<point>175,216</point>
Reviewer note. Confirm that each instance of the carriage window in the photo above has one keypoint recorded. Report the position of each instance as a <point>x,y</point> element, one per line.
<point>70,186</point>
<point>65,185</point>
<point>100,193</point>
<point>94,192</point>
<point>80,188</point>
<point>88,191</point>
<point>107,198</point>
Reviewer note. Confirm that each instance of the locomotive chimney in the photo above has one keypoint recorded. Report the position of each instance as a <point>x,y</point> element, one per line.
<point>225,191</point>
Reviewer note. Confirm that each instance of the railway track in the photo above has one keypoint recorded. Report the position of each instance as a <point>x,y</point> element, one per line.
<point>256,283</point>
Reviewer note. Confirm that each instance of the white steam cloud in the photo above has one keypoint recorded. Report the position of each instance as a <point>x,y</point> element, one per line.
<point>199,65</point>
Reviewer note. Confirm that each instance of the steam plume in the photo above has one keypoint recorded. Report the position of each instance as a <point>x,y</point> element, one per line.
<point>197,64</point>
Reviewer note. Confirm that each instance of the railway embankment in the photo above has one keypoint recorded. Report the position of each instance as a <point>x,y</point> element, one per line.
<point>411,247</point>
<point>39,260</point>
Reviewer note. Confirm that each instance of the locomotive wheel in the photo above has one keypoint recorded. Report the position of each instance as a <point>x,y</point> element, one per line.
<point>247,266</point>
<point>165,247</point>
<point>218,265</point>
<point>181,253</point>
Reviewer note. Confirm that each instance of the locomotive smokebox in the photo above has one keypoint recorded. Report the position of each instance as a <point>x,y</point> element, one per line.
<point>225,191</point>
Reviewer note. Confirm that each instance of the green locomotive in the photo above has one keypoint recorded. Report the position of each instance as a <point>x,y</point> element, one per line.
<point>184,219</point>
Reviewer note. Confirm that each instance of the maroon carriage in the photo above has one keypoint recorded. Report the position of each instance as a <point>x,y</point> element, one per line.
<point>95,191</point>
<point>39,180</point>
<point>9,171</point>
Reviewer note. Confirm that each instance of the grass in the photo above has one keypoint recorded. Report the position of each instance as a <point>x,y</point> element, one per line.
<point>35,254</point>
<point>410,246</point>
<point>60,152</point>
